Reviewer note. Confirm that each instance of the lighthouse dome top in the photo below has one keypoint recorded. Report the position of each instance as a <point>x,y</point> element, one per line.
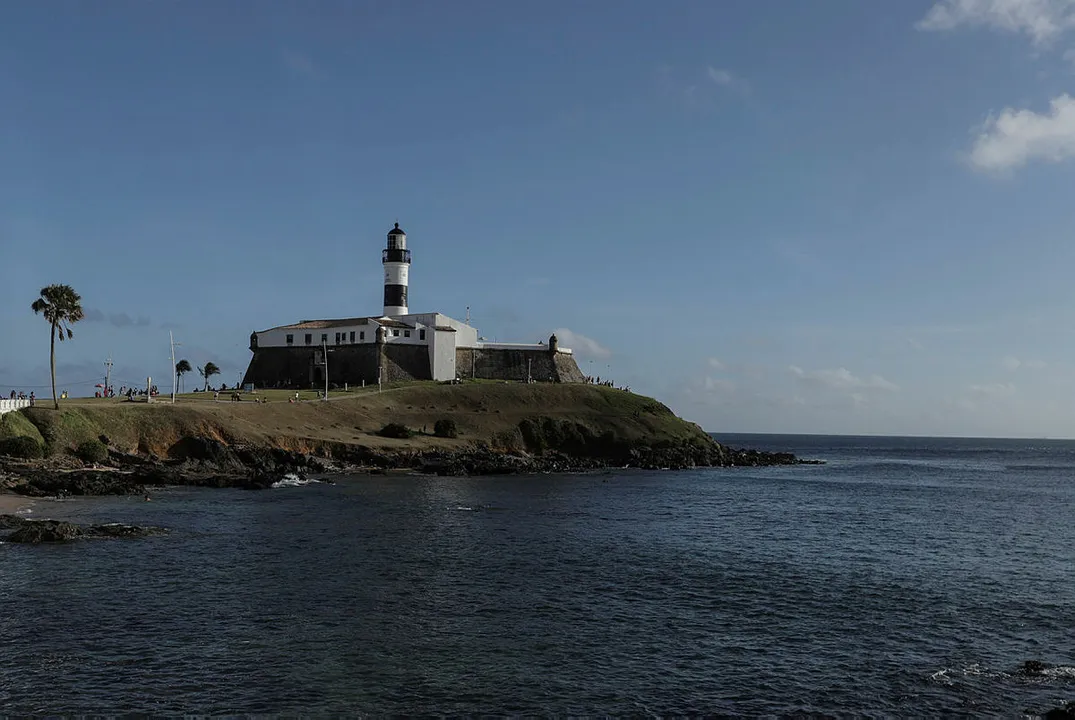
<point>397,230</point>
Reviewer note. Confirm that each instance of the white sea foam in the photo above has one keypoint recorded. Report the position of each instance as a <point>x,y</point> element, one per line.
<point>292,480</point>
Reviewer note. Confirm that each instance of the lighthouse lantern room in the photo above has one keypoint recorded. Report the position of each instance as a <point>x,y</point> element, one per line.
<point>396,259</point>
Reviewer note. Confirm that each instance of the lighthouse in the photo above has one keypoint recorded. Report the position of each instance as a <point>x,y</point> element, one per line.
<point>396,259</point>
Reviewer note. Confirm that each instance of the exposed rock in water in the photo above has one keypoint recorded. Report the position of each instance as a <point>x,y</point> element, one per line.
<point>39,531</point>
<point>1065,712</point>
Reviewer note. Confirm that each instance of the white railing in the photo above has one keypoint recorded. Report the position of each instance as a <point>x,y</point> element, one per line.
<point>7,405</point>
<point>482,345</point>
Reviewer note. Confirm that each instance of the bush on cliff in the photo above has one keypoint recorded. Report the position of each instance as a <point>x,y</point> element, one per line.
<point>395,430</point>
<point>22,447</point>
<point>91,451</point>
<point>445,428</point>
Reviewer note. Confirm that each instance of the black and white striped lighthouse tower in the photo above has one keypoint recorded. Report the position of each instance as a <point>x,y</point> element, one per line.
<point>396,259</point>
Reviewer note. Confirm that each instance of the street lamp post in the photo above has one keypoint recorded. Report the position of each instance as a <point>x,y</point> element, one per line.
<point>324,359</point>
<point>175,375</point>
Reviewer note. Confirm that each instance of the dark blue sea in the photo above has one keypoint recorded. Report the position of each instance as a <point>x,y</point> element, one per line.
<point>906,577</point>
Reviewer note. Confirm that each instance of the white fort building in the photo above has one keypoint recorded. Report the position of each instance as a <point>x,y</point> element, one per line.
<point>397,345</point>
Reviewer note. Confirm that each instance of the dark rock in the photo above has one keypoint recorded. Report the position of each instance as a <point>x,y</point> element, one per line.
<point>1033,667</point>
<point>38,531</point>
<point>1064,712</point>
<point>119,530</point>
<point>44,483</point>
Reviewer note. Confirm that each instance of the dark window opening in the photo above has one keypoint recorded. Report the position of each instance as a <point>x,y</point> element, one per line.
<point>421,334</point>
<point>324,337</point>
<point>406,333</point>
<point>352,336</point>
<point>362,335</point>
<point>290,339</point>
<point>395,333</point>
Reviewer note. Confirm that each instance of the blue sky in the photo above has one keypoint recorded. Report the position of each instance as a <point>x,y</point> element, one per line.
<point>845,217</point>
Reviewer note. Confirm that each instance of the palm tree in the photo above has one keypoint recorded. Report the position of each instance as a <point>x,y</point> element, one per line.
<point>62,307</point>
<point>208,371</point>
<point>181,367</point>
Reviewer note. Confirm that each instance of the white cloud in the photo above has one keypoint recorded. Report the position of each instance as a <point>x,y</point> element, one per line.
<point>716,364</point>
<point>718,385</point>
<point>1015,137</point>
<point>993,390</point>
<point>581,344</point>
<point>1014,363</point>
<point>1041,20</point>
<point>720,77</point>
<point>842,379</point>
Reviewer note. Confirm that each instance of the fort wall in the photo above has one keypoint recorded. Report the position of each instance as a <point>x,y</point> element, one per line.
<point>517,364</point>
<point>301,367</point>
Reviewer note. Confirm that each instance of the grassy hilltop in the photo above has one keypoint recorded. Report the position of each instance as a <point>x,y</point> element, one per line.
<point>573,418</point>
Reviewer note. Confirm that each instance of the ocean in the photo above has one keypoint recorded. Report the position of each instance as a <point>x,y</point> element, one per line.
<point>905,577</point>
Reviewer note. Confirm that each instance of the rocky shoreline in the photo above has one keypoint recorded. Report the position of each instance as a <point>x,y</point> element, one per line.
<point>206,462</point>
<point>25,530</point>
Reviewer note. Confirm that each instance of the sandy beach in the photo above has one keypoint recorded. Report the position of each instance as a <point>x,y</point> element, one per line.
<point>10,503</point>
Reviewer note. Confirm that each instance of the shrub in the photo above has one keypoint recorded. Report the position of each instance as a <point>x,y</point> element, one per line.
<point>91,451</point>
<point>22,447</point>
<point>395,430</point>
<point>445,428</point>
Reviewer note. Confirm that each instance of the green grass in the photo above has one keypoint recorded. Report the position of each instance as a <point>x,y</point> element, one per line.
<point>497,412</point>
<point>16,424</point>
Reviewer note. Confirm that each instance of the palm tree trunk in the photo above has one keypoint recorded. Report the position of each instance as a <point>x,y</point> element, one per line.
<point>52,366</point>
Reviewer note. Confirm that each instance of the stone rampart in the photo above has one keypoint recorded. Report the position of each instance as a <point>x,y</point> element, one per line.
<point>517,364</point>
<point>300,367</point>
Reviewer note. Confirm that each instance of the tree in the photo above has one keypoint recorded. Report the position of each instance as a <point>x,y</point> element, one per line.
<point>208,371</point>
<point>181,367</point>
<point>62,307</point>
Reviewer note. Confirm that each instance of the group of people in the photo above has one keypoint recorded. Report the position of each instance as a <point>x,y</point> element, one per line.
<point>23,396</point>
<point>606,383</point>
<point>132,392</point>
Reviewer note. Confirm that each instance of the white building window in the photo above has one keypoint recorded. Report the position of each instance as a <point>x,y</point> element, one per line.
<point>395,333</point>
<point>290,339</point>
<point>406,333</point>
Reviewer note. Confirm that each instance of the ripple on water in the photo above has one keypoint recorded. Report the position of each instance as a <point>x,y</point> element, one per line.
<point>737,592</point>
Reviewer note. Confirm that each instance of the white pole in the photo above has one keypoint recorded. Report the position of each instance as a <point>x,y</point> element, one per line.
<point>149,387</point>
<point>171,341</point>
<point>324,355</point>
<point>108,373</point>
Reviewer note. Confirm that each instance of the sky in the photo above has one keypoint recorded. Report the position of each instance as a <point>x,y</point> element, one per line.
<point>829,217</point>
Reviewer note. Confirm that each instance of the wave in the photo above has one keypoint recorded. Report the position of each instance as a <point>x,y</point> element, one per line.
<point>1039,467</point>
<point>1031,671</point>
<point>292,480</point>
<point>938,465</point>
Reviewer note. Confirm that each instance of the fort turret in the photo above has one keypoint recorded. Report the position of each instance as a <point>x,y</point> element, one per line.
<point>396,259</point>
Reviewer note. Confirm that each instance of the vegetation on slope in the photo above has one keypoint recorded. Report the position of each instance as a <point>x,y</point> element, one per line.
<point>573,419</point>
